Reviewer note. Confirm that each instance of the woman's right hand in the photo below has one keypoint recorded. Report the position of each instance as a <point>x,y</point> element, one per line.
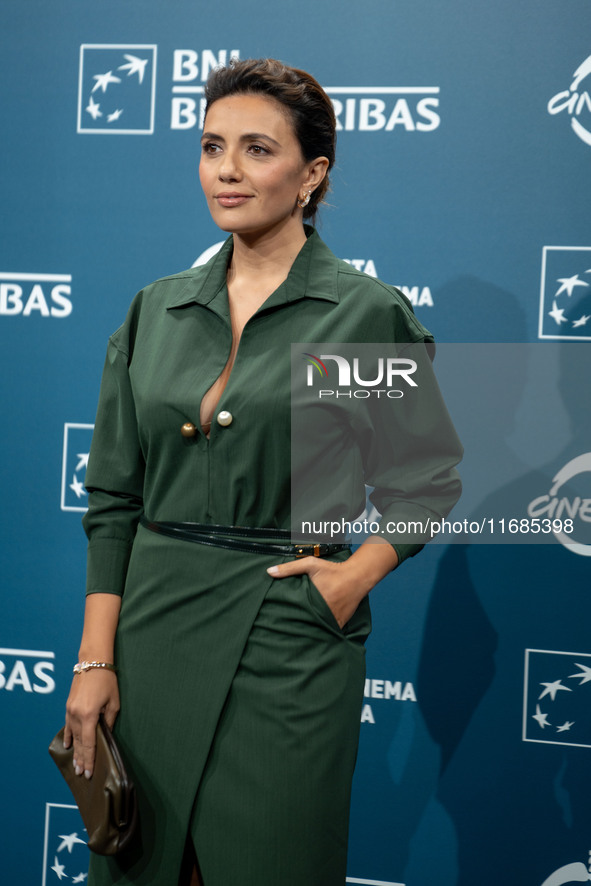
<point>93,692</point>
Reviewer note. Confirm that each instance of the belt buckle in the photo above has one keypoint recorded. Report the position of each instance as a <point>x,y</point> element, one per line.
<point>301,553</point>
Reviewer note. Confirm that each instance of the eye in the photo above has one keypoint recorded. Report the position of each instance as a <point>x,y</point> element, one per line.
<point>258,150</point>
<point>210,148</point>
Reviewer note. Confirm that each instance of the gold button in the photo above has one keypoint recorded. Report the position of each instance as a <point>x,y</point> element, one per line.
<point>224,418</point>
<point>188,429</point>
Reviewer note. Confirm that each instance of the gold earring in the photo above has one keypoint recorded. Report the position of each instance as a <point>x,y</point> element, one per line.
<point>303,201</point>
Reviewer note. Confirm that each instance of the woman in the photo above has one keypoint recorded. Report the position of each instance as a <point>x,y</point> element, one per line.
<point>240,664</point>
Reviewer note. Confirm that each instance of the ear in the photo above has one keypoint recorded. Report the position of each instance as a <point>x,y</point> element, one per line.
<point>315,173</point>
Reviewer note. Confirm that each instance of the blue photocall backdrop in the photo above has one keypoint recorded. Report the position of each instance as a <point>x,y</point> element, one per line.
<point>464,158</point>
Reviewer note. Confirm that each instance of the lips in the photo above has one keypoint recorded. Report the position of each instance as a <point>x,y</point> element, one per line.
<point>231,198</point>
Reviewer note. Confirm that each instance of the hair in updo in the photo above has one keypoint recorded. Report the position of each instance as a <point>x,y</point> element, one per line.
<point>309,107</point>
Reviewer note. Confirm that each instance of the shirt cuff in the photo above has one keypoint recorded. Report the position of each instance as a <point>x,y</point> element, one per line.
<point>405,551</point>
<point>108,559</point>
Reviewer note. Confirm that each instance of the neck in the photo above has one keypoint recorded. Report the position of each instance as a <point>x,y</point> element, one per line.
<point>271,253</point>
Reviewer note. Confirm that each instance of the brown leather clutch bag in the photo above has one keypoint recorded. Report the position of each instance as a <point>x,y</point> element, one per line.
<point>106,801</point>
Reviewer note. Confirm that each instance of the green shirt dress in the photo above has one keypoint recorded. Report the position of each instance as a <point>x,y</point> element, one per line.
<point>240,694</point>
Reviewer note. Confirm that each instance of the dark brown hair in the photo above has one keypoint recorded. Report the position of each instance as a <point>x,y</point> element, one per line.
<point>309,107</point>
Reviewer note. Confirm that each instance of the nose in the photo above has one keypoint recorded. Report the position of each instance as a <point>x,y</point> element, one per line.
<point>229,168</point>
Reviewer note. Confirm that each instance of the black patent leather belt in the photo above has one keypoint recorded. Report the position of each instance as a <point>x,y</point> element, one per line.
<point>242,538</point>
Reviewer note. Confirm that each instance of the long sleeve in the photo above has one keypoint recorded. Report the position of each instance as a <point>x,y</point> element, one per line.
<point>409,447</point>
<point>115,476</point>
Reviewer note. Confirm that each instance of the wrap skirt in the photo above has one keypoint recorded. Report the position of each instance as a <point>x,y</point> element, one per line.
<point>239,721</point>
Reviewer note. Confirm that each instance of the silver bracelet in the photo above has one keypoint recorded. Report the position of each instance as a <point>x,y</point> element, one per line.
<point>82,666</point>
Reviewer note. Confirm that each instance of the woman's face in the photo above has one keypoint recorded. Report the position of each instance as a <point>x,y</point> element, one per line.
<point>252,170</point>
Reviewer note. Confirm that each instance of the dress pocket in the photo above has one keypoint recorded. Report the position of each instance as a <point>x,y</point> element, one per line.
<point>320,607</point>
<point>357,629</point>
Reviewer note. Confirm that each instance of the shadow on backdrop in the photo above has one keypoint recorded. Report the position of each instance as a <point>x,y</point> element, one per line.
<point>519,807</point>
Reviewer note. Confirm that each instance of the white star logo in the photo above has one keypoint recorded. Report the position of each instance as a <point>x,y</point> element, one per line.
<point>136,66</point>
<point>103,81</point>
<point>115,115</point>
<point>582,320</point>
<point>77,487</point>
<point>68,842</point>
<point>569,283</point>
<point>557,314</point>
<point>82,460</point>
<point>93,109</point>
<point>541,718</point>
<point>565,726</point>
<point>59,869</point>
<point>585,674</point>
<point>552,688</point>
<point>80,878</point>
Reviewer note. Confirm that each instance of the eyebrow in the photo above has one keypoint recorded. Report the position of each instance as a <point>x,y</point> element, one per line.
<point>248,136</point>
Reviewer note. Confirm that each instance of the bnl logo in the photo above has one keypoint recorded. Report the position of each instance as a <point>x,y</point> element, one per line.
<point>117,89</point>
<point>66,854</point>
<point>77,440</point>
<point>556,698</point>
<point>565,293</point>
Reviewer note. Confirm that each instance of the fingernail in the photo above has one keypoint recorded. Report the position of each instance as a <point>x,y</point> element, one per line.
<point>87,773</point>
<point>78,770</point>
<point>74,763</point>
<point>273,570</point>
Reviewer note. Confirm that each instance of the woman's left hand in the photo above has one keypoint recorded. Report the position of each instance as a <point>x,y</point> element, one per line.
<point>344,585</point>
<point>334,581</point>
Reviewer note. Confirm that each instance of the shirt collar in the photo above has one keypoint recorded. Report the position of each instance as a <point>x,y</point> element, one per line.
<point>312,275</point>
